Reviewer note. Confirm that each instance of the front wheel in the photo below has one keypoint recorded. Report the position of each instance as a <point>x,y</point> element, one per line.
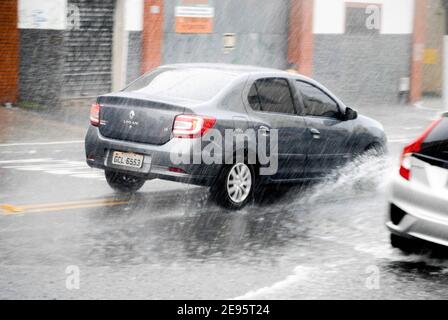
<point>123,182</point>
<point>234,187</point>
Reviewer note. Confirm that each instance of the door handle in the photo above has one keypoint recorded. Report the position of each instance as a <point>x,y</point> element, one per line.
<point>264,130</point>
<point>315,133</point>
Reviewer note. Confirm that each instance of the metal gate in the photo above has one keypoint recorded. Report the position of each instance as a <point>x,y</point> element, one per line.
<point>88,47</point>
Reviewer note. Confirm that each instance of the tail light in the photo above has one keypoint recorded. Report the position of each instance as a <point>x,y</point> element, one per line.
<point>192,126</point>
<point>414,147</point>
<point>95,114</point>
<point>176,170</point>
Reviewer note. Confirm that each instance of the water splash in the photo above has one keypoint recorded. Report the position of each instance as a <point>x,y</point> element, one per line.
<point>364,175</point>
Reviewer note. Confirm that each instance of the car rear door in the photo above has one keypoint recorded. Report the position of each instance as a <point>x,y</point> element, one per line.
<point>328,136</point>
<point>271,106</point>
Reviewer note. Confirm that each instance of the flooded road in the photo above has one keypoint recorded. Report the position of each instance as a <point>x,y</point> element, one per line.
<point>326,240</point>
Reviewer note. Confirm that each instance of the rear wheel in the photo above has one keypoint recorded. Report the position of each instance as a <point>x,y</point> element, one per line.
<point>234,187</point>
<point>123,182</point>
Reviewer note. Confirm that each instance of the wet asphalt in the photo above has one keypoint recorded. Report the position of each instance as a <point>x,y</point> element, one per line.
<point>169,241</point>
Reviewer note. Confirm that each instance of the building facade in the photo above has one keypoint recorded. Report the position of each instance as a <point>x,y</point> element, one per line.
<point>363,50</point>
<point>64,50</point>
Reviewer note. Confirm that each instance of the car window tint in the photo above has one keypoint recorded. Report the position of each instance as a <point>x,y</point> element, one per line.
<point>253,99</point>
<point>316,102</point>
<point>274,95</point>
<point>435,144</point>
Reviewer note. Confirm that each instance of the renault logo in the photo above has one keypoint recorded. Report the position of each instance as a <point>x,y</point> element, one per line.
<point>130,122</point>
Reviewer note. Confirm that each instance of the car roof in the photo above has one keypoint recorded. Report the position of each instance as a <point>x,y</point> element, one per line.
<point>231,68</point>
<point>242,70</point>
<point>248,70</point>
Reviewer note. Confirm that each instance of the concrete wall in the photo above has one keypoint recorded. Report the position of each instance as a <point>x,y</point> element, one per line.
<point>433,62</point>
<point>363,68</point>
<point>133,28</point>
<point>41,66</point>
<point>133,70</point>
<point>41,27</point>
<point>261,28</point>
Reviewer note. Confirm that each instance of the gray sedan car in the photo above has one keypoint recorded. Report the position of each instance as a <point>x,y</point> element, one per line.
<point>232,128</point>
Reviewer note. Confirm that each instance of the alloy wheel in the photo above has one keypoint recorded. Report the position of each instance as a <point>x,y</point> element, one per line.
<point>239,182</point>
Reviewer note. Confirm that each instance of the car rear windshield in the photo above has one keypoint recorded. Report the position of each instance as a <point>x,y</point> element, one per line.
<point>191,84</point>
<point>436,143</point>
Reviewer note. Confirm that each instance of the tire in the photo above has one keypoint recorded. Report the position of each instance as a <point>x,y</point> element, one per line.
<point>234,187</point>
<point>404,244</point>
<point>123,182</point>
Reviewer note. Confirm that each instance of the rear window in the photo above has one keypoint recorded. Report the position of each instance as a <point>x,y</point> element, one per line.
<point>190,84</point>
<point>439,133</point>
<point>436,143</point>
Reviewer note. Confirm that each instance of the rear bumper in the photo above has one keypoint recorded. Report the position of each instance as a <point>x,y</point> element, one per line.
<point>158,159</point>
<point>417,211</point>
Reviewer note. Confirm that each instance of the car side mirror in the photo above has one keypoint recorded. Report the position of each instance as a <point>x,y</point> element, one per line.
<point>350,114</point>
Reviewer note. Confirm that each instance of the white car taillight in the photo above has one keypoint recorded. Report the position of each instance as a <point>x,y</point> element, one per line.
<point>192,126</point>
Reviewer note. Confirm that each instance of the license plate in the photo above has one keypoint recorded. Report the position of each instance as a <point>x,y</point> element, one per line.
<point>127,159</point>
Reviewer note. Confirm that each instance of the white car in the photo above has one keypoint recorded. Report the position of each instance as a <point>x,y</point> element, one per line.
<point>419,195</point>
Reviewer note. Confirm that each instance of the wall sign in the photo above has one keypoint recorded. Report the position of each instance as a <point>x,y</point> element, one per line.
<point>194,16</point>
<point>42,14</point>
<point>430,56</point>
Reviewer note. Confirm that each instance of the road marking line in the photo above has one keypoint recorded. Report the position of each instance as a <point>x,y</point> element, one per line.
<point>70,172</point>
<point>25,161</point>
<point>40,143</point>
<point>413,128</point>
<point>89,176</point>
<point>67,203</point>
<point>10,208</point>
<point>58,206</point>
<point>78,169</point>
<point>36,167</point>
<point>399,140</point>
<point>300,274</point>
<point>93,205</point>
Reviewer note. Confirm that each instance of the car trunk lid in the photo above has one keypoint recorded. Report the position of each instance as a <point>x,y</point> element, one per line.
<point>133,117</point>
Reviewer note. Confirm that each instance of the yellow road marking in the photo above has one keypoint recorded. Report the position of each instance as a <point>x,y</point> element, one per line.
<point>58,206</point>
<point>68,203</point>
<point>10,208</point>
